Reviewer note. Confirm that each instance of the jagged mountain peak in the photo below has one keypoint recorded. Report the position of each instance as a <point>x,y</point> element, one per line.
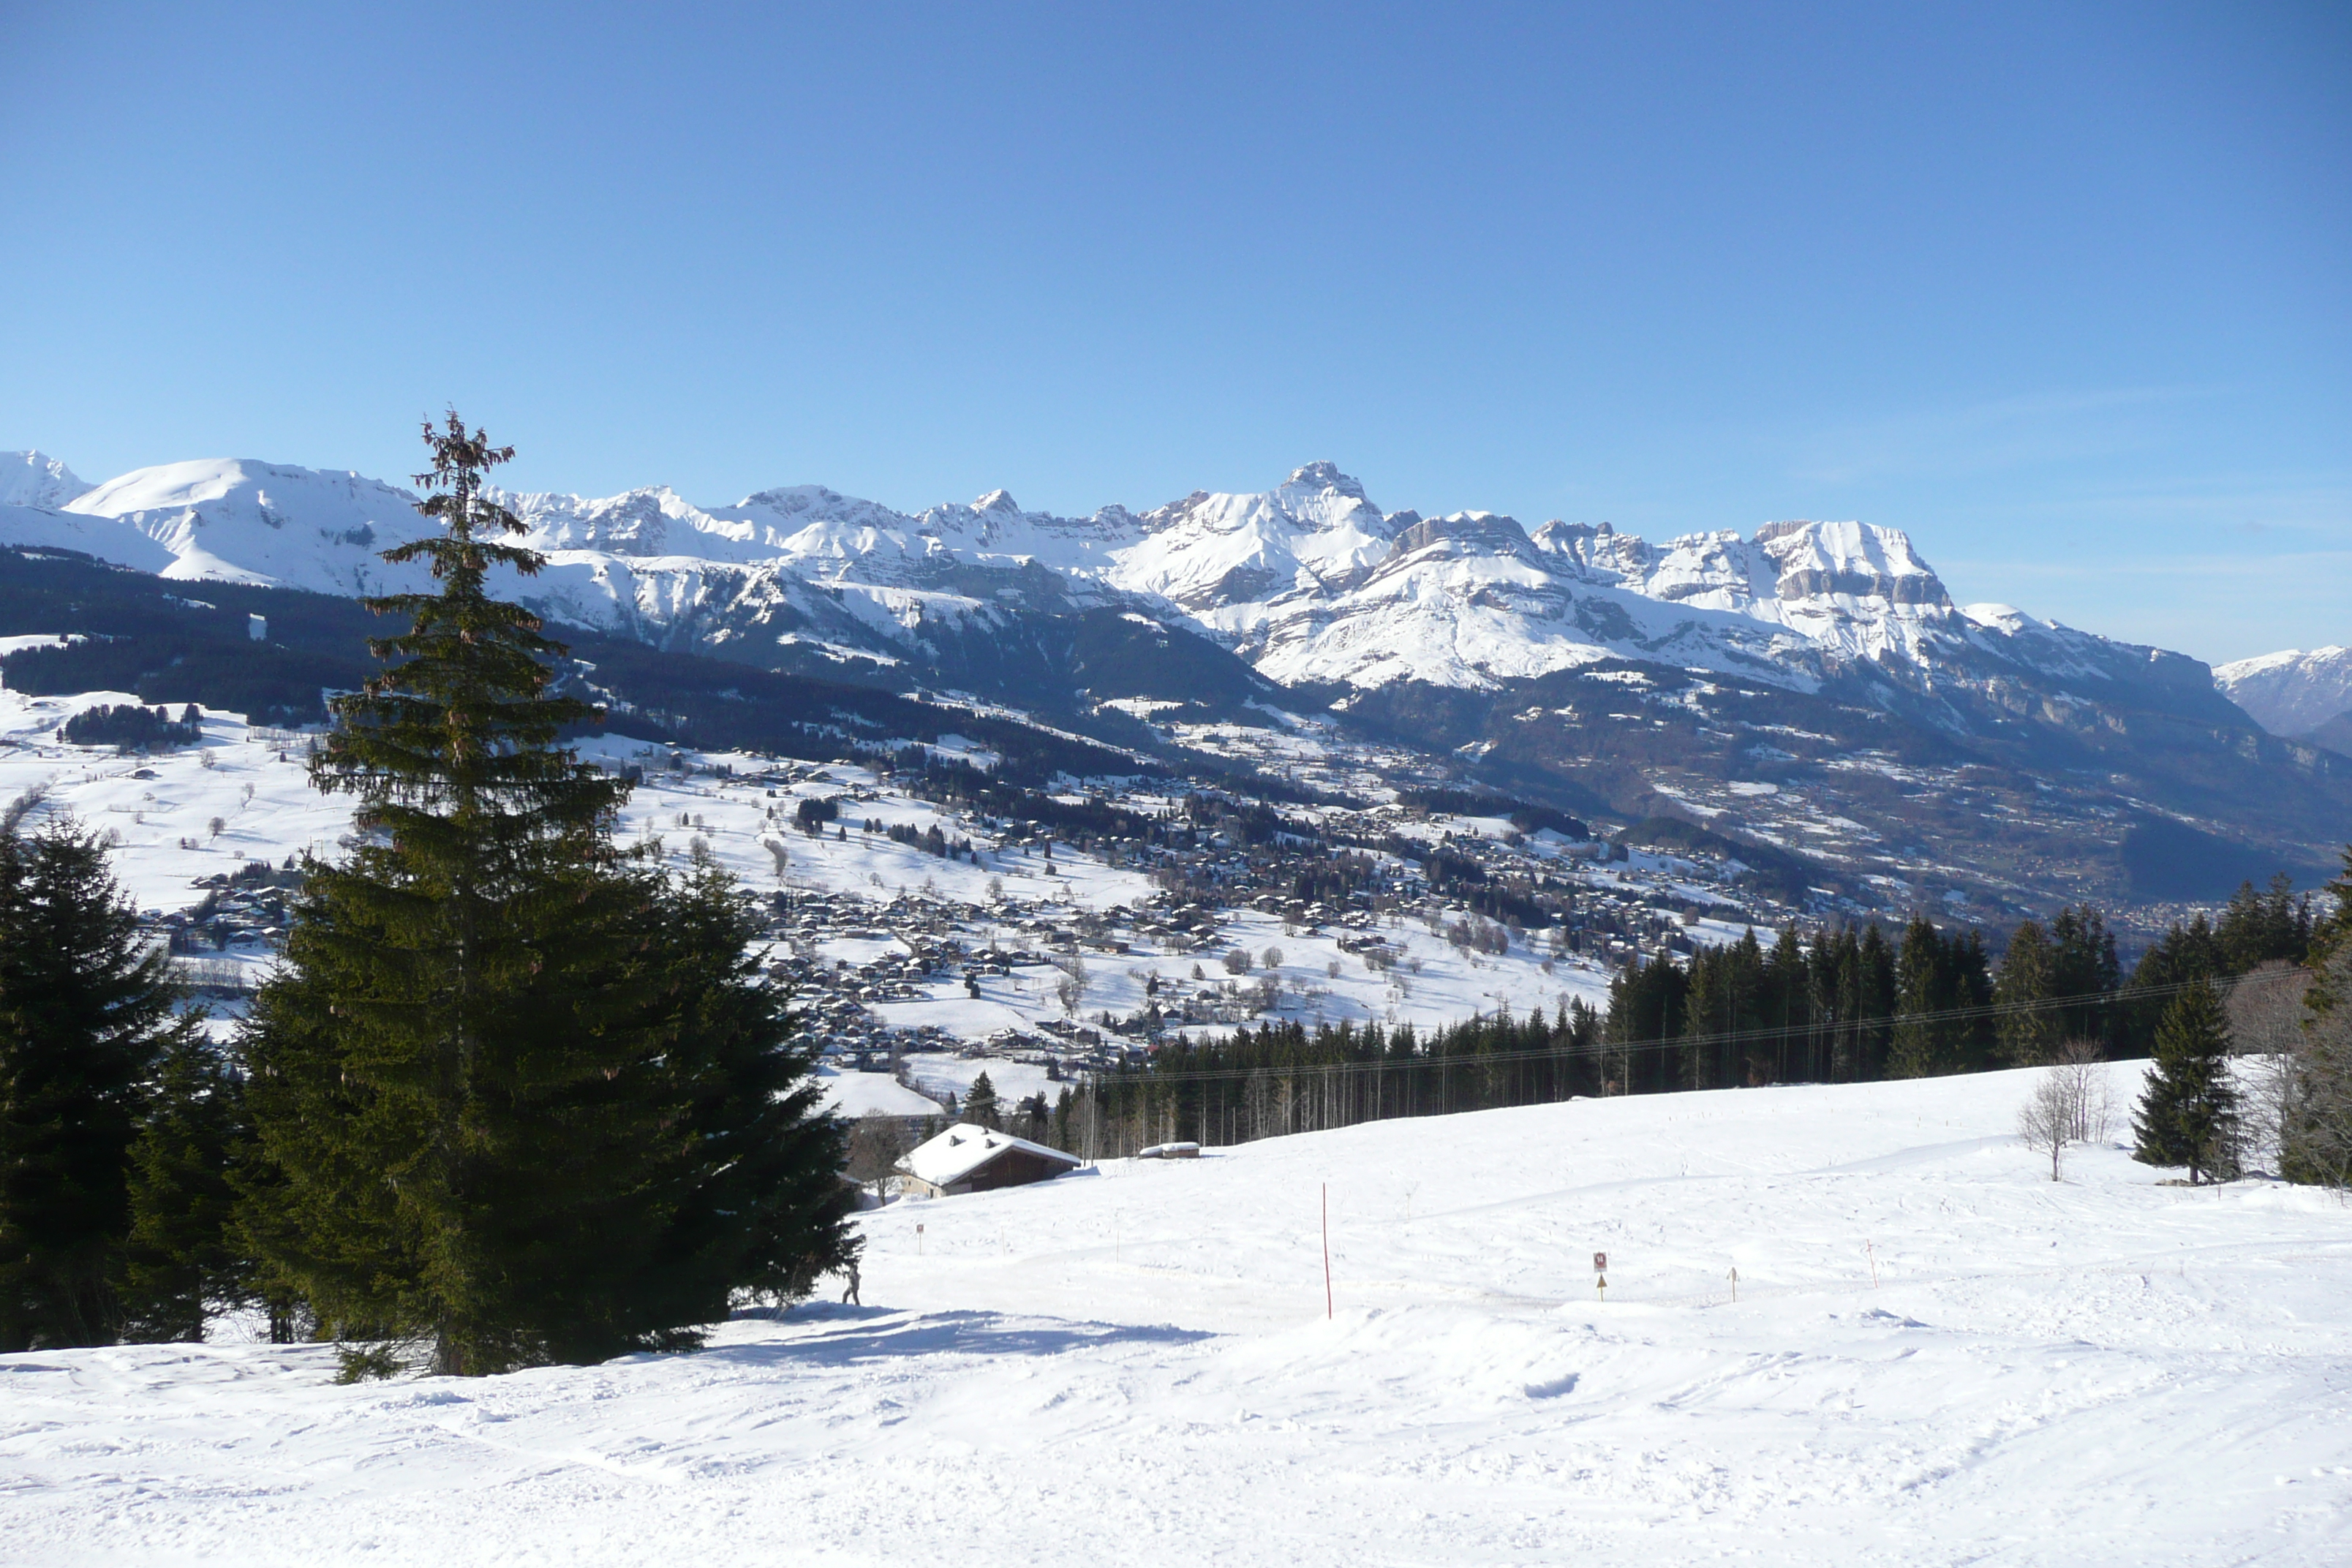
<point>35,478</point>
<point>1324,476</point>
<point>1307,581</point>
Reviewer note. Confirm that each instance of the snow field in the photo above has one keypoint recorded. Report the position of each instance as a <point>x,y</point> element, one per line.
<point>1134,1366</point>
<point>150,817</point>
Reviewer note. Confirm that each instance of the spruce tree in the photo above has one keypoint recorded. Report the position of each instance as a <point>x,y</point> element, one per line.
<point>755,1201</point>
<point>2188,1113</point>
<point>2027,1029</point>
<point>2083,963</point>
<point>520,1097</point>
<point>86,1010</point>
<point>184,1256</point>
<point>979,1104</point>
<point>1923,980</point>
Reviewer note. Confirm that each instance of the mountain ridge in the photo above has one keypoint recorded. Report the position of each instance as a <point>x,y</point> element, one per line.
<point>2294,693</point>
<point>1309,581</point>
<point>1718,677</point>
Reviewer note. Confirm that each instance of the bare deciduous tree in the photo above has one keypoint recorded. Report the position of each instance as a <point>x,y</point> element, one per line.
<point>876,1143</point>
<point>2318,1120</point>
<point>2267,1020</point>
<point>1071,989</point>
<point>2082,1067</point>
<point>2046,1123</point>
<point>2071,1103</point>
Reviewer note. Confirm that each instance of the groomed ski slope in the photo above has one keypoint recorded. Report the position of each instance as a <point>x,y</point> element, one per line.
<point>1134,1367</point>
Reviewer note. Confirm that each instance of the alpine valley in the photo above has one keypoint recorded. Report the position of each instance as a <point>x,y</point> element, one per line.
<point>1806,701</point>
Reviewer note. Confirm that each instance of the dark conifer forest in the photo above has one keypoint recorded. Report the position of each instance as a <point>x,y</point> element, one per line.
<point>1849,1004</point>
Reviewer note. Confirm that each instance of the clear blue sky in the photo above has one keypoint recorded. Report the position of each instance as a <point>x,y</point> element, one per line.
<point>2065,290</point>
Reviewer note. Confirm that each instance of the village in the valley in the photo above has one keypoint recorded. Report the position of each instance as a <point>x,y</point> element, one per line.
<point>927,940</point>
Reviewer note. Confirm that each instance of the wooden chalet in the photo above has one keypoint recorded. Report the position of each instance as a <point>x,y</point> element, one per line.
<point>969,1159</point>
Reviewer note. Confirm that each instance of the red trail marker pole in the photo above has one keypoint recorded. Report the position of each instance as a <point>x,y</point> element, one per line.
<point>1327,1252</point>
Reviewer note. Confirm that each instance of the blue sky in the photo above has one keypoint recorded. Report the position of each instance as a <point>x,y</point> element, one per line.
<point>2066,291</point>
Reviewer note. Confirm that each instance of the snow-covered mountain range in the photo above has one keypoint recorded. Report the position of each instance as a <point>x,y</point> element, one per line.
<point>1812,684</point>
<point>1309,582</point>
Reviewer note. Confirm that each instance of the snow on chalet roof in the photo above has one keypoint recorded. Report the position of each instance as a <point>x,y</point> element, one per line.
<point>964,1148</point>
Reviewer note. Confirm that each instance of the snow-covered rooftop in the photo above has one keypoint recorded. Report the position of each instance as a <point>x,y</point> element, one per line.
<point>964,1148</point>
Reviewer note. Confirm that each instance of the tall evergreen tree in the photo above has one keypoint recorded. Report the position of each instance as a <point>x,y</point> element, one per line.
<point>184,1256</point>
<point>86,1011</point>
<point>2082,964</point>
<point>1786,1009</point>
<point>2188,1113</point>
<point>2183,953</point>
<point>509,1101</point>
<point>979,1105</point>
<point>2027,1028</point>
<point>1646,1005</point>
<point>1722,1001</point>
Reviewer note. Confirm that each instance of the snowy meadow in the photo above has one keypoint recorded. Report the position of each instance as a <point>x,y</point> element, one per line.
<point>1935,1355</point>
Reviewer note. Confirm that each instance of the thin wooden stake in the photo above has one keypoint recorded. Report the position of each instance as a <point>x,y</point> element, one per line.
<point>1872,1253</point>
<point>1327,1252</point>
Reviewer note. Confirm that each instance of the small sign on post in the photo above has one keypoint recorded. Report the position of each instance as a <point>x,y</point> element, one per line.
<point>919,1240</point>
<point>1601,1274</point>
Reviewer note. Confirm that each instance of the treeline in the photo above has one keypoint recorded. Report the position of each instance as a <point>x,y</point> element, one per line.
<point>1849,1004</point>
<point>131,728</point>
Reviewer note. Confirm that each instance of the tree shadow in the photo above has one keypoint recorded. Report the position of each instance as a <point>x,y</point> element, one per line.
<point>846,1336</point>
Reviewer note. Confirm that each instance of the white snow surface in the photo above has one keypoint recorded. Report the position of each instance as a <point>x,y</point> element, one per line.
<point>856,1094</point>
<point>35,478</point>
<point>2292,692</point>
<point>1135,1366</point>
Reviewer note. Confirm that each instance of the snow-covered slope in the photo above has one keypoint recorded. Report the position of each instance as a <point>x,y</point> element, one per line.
<point>2291,693</point>
<point>1936,1356</point>
<point>247,522</point>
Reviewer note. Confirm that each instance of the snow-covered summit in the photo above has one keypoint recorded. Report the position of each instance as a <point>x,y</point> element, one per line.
<point>1471,598</point>
<point>1313,532</point>
<point>1308,580</point>
<point>2292,693</point>
<point>33,479</point>
<point>247,522</point>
